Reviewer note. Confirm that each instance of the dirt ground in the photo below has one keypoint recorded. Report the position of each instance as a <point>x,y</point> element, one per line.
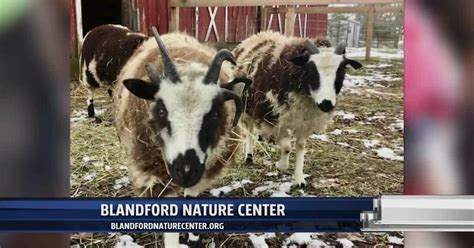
<point>360,154</point>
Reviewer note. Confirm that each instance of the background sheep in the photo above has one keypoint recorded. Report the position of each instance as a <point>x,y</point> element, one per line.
<point>294,90</point>
<point>105,51</point>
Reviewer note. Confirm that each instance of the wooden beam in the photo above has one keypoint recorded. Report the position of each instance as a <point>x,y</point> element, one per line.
<point>174,21</point>
<point>290,18</point>
<point>234,3</point>
<point>263,18</point>
<point>370,33</point>
<point>327,10</point>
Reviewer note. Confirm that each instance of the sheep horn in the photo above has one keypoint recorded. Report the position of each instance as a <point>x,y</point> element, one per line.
<point>341,48</point>
<point>153,73</point>
<point>212,74</point>
<point>311,47</point>
<point>238,104</point>
<point>170,70</point>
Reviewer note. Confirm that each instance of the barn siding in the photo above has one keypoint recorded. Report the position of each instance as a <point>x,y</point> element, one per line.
<point>72,29</point>
<point>242,22</point>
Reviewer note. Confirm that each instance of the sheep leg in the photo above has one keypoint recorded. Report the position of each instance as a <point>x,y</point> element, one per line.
<point>249,149</point>
<point>299,163</point>
<point>90,102</point>
<point>285,149</point>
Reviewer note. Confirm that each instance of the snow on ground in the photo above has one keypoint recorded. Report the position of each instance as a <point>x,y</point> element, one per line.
<point>378,66</point>
<point>336,132</point>
<point>397,125</point>
<point>276,189</point>
<point>308,239</point>
<point>80,116</point>
<point>345,115</point>
<point>258,241</point>
<point>388,153</point>
<point>371,143</point>
<point>345,243</point>
<point>358,80</point>
<point>395,240</point>
<point>322,137</point>
<point>121,182</point>
<point>226,189</point>
<point>381,53</point>
<point>126,241</point>
<point>326,183</point>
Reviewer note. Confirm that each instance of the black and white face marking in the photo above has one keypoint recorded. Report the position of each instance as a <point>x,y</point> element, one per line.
<point>187,112</point>
<point>326,71</point>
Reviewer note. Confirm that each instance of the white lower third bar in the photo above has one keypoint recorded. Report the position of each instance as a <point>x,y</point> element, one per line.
<point>420,213</point>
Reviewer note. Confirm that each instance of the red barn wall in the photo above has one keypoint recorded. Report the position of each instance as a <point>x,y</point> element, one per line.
<point>242,22</point>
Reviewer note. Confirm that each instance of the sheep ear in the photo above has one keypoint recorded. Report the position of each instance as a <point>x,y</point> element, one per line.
<point>141,89</point>
<point>300,58</point>
<point>239,85</point>
<point>354,64</point>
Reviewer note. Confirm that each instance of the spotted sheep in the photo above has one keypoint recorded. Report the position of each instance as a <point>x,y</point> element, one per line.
<point>174,115</point>
<point>105,51</point>
<point>293,93</point>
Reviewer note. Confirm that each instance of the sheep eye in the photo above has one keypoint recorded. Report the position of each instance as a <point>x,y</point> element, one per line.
<point>161,113</point>
<point>215,115</point>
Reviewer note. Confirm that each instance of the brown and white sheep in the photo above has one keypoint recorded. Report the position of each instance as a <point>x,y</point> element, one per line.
<point>173,115</point>
<point>105,51</point>
<point>293,92</point>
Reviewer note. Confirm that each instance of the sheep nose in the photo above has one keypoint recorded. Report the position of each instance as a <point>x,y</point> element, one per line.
<point>326,106</point>
<point>186,170</point>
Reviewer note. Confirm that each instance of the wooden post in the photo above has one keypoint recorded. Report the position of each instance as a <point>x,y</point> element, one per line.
<point>370,33</point>
<point>290,19</point>
<point>174,21</point>
<point>263,18</point>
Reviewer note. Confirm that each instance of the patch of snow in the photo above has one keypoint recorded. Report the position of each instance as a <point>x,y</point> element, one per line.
<point>87,159</point>
<point>321,137</point>
<point>309,239</point>
<point>126,241</point>
<point>398,125</point>
<point>345,115</point>
<point>276,189</point>
<point>326,183</point>
<point>226,189</point>
<point>98,164</point>
<point>378,65</point>
<point>89,177</point>
<point>258,241</point>
<point>371,143</point>
<point>382,53</point>
<point>121,182</point>
<point>336,132</point>
<point>271,174</point>
<point>345,243</point>
<point>343,144</point>
<point>395,240</point>
<point>389,154</point>
<point>81,116</point>
<point>351,131</point>
<point>376,117</point>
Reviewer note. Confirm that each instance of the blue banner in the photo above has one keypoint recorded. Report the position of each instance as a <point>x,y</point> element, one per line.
<point>183,215</point>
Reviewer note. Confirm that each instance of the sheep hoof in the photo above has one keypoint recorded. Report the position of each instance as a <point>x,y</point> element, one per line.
<point>249,159</point>
<point>300,183</point>
<point>90,111</point>
<point>281,166</point>
<point>97,120</point>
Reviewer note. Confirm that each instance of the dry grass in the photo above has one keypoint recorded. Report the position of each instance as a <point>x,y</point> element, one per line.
<point>98,163</point>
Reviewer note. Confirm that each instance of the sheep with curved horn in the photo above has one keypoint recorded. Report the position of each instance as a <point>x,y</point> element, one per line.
<point>294,90</point>
<point>178,129</point>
